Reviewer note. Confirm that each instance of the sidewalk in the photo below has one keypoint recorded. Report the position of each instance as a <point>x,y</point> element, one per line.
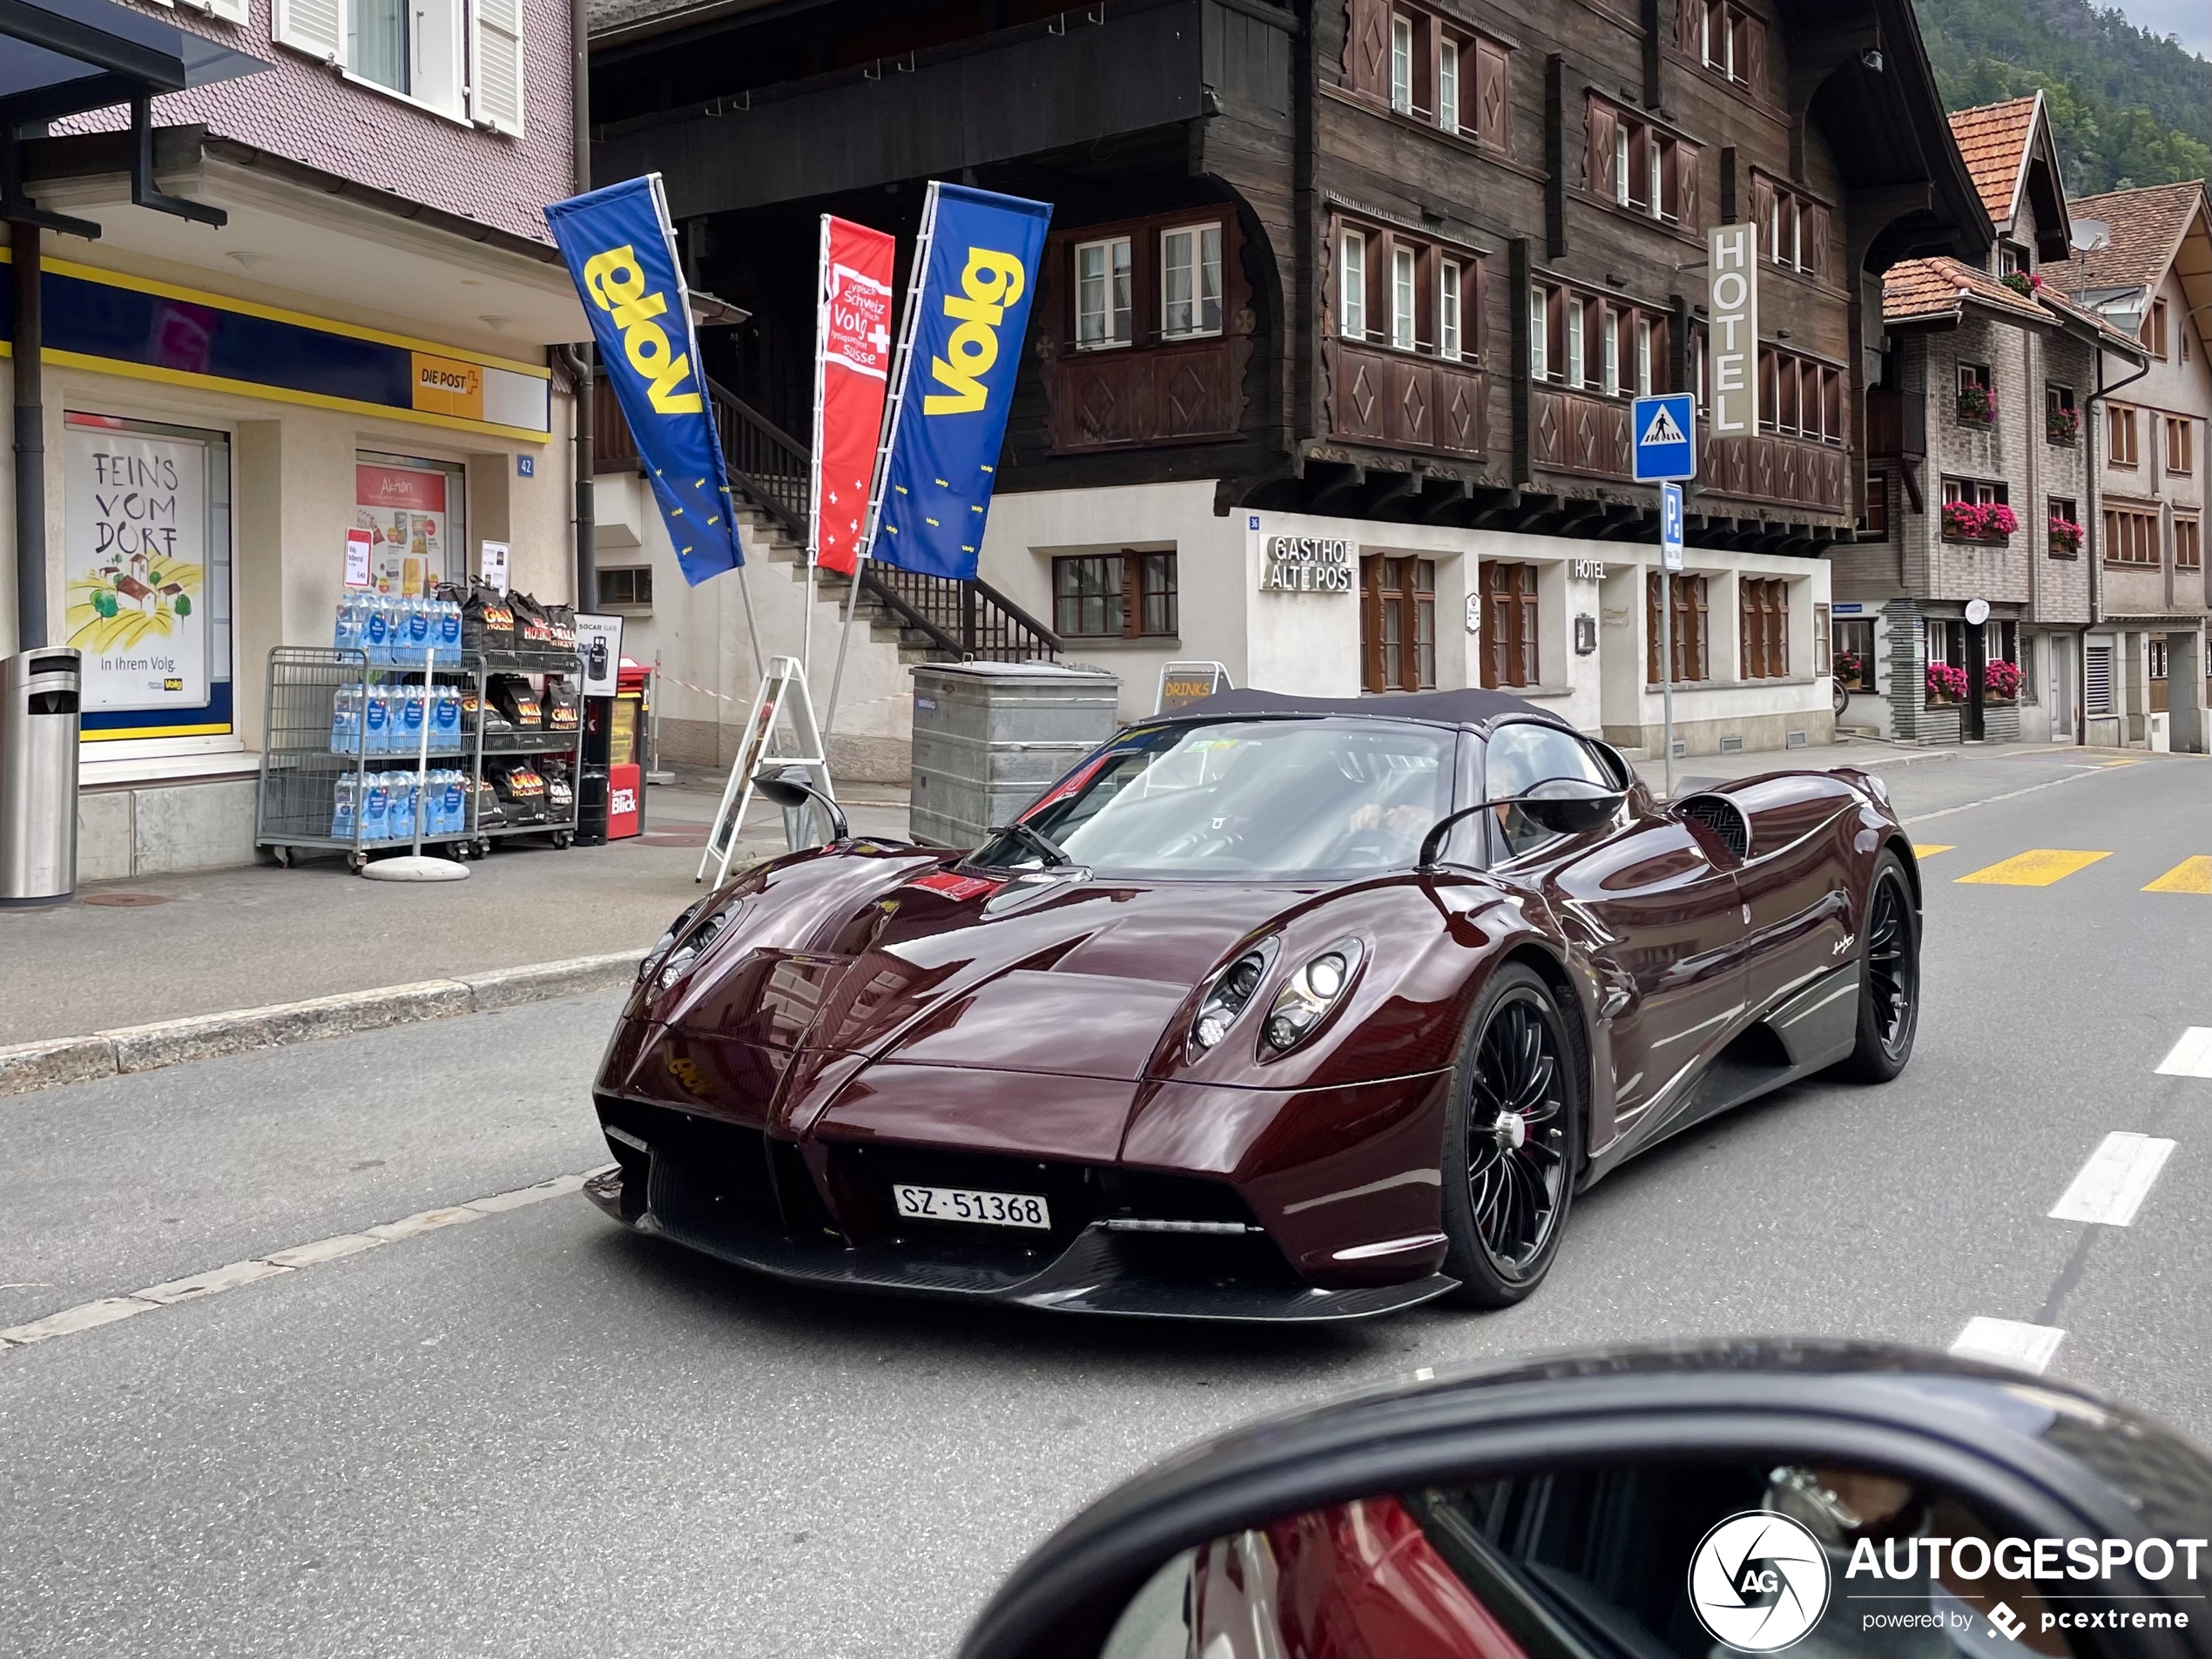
<point>163,948</point>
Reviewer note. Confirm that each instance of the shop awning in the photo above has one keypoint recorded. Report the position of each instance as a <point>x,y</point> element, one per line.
<point>58,57</point>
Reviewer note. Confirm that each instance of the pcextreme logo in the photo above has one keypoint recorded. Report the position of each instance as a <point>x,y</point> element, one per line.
<point>617,285</point>
<point>992,282</point>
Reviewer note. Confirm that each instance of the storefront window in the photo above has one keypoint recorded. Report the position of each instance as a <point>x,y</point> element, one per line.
<point>147,562</point>
<point>414,513</point>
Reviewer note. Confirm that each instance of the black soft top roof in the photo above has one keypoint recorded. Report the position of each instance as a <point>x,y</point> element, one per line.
<point>1472,707</point>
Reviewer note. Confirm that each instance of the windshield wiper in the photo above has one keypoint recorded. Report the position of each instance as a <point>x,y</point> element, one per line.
<point>1052,851</point>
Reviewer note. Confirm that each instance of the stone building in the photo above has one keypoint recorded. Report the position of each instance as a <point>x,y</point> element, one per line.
<point>1961,614</point>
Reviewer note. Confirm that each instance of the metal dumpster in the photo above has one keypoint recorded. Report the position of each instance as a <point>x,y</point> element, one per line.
<point>989,737</point>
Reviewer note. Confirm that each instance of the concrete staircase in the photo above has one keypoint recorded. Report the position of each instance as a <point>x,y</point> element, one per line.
<point>876,628</point>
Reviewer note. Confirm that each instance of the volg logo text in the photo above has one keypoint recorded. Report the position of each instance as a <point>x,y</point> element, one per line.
<point>992,283</point>
<point>617,285</point>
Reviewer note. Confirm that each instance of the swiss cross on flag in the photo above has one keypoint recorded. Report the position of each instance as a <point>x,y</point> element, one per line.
<point>851,371</point>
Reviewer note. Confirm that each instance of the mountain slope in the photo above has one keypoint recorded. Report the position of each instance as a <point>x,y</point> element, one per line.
<point>2127,107</point>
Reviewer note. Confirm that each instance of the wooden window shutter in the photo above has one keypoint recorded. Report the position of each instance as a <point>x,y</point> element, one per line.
<point>1602,124</point>
<point>1688,198</point>
<point>236,11</point>
<point>1816,240</point>
<point>1491,95</point>
<point>1526,616</point>
<point>1651,629</point>
<point>495,85</point>
<point>1762,204</point>
<point>1690,15</point>
<point>1747,632</point>
<point>1366,47</point>
<point>316,27</point>
<point>1755,65</point>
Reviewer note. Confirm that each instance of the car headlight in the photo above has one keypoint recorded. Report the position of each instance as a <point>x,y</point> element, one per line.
<point>1231,994</point>
<point>1308,995</point>
<point>650,964</point>
<point>684,946</point>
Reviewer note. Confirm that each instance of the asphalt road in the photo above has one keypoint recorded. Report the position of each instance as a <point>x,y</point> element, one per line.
<point>532,1434</point>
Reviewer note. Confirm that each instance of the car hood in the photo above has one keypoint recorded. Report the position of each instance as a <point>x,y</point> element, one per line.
<point>1066,976</point>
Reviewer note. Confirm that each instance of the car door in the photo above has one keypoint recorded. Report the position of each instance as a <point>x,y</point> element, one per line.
<point>1651,904</point>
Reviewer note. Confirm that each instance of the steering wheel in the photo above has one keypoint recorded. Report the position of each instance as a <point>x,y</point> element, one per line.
<point>1200,844</point>
<point>1372,846</point>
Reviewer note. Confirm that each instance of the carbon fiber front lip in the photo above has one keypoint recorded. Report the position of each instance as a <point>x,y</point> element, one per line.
<point>1089,1276</point>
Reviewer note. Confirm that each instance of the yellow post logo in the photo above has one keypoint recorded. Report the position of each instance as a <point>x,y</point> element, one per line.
<point>617,287</point>
<point>991,283</point>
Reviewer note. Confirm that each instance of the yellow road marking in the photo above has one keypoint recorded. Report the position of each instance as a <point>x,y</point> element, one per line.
<point>2038,868</point>
<point>1931,849</point>
<point>2190,875</point>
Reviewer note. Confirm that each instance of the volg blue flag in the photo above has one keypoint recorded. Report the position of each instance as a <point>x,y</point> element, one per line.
<point>978,257</point>
<point>622,252</point>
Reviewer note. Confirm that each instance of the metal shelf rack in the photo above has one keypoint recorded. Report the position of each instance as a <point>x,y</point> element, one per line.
<point>303,760</point>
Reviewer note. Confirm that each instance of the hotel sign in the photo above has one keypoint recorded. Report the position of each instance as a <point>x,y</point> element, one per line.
<point>1732,312</point>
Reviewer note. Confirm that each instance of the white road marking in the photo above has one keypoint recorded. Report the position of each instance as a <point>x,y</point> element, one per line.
<point>1425,1374</point>
<point>2113,1184</point>
<point>2010,794</point>
<point>2009,1342</point>
<point>87,1316</point>
<point>2191,1056</point>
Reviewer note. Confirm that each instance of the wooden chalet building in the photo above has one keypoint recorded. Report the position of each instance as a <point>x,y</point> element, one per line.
<point>1345,301</point>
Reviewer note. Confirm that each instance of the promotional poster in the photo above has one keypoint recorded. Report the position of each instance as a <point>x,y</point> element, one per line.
<point>852,372</point>
<point>137,605</point>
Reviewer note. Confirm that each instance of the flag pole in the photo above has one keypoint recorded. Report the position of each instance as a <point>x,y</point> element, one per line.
<point>888,433</point>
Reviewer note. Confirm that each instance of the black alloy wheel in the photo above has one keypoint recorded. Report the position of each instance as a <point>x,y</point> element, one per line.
<point>1889,993</point>
<point>1515,1142</point>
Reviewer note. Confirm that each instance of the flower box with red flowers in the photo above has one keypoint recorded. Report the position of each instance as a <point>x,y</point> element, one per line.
<point>1946,682</point>
<point>1977,406</point>
<point>2022,282</point>
<point>2000,680</point>
<point>2066,535</point>
<point>1978,521</point>
<point>2062,425</point>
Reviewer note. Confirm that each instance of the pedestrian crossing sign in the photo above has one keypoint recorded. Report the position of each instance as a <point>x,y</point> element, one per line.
<point>1663,438</point>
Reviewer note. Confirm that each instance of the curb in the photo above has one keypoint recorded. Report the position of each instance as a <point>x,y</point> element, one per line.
<point>55,1061</point>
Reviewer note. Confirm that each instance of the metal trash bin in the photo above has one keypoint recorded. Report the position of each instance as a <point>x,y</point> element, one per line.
<point>38,718</point>
<point>989,737</point>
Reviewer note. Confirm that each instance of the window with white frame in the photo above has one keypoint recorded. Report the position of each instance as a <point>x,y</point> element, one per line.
<point>1448,86</point>
<point>1575,376</point>
<point>1448,310</point>
<point>1352,286</point>
<point>1103,293</point>
<point>1643,357</point>
<point>462,58</point>
<point>1621,164</point>
<point>1401,64</point>
<point>1612,362</point>
<point>1540,301</point>
<point>1190,281</point>
<point>1401,299</point>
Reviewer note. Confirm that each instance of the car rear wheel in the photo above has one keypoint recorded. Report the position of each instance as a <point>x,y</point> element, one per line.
<point>1513,1143</point>
<point>1889,977</point>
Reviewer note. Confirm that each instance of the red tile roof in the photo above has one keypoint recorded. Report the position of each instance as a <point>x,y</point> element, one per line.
<point>2146,226</point>
<point>1993,140</point>
<point>1916,290</point>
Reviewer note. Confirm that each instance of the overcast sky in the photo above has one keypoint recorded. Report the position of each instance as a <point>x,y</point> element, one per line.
<point>2190,19</point>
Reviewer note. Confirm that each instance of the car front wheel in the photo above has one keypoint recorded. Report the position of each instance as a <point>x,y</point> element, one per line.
<point>1513,1143</point>
<point>1889,977</point>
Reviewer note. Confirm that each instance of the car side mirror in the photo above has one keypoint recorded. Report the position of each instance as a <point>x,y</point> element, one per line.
<point>790,786</point>
<point>1737,1496</point>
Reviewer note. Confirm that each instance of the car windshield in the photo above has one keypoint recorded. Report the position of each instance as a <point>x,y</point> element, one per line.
<point>1283,799</point>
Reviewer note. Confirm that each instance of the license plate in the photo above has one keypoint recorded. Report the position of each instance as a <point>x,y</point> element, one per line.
<point>985,1209</point>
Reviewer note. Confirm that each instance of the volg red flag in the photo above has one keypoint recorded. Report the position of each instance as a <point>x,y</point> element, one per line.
<point>852,369</point>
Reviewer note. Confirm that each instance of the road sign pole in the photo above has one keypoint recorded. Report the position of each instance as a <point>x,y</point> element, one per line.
<point>1666,668</point>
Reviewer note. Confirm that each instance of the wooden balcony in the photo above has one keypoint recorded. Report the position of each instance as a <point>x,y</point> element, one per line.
<point>1579,432</point>
<point>1405,402</point>
<point>1133,396</point>
<point>1896,424</point>
<point>1780,471</point>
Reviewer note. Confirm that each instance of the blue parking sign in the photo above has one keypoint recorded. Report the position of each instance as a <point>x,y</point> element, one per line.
<point>1662,437</point>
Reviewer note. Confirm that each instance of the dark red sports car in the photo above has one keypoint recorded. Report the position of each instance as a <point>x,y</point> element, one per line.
<point>1276,1009</point>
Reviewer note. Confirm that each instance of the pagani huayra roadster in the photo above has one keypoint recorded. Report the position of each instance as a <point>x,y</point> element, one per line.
<point>1274,1009</point>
